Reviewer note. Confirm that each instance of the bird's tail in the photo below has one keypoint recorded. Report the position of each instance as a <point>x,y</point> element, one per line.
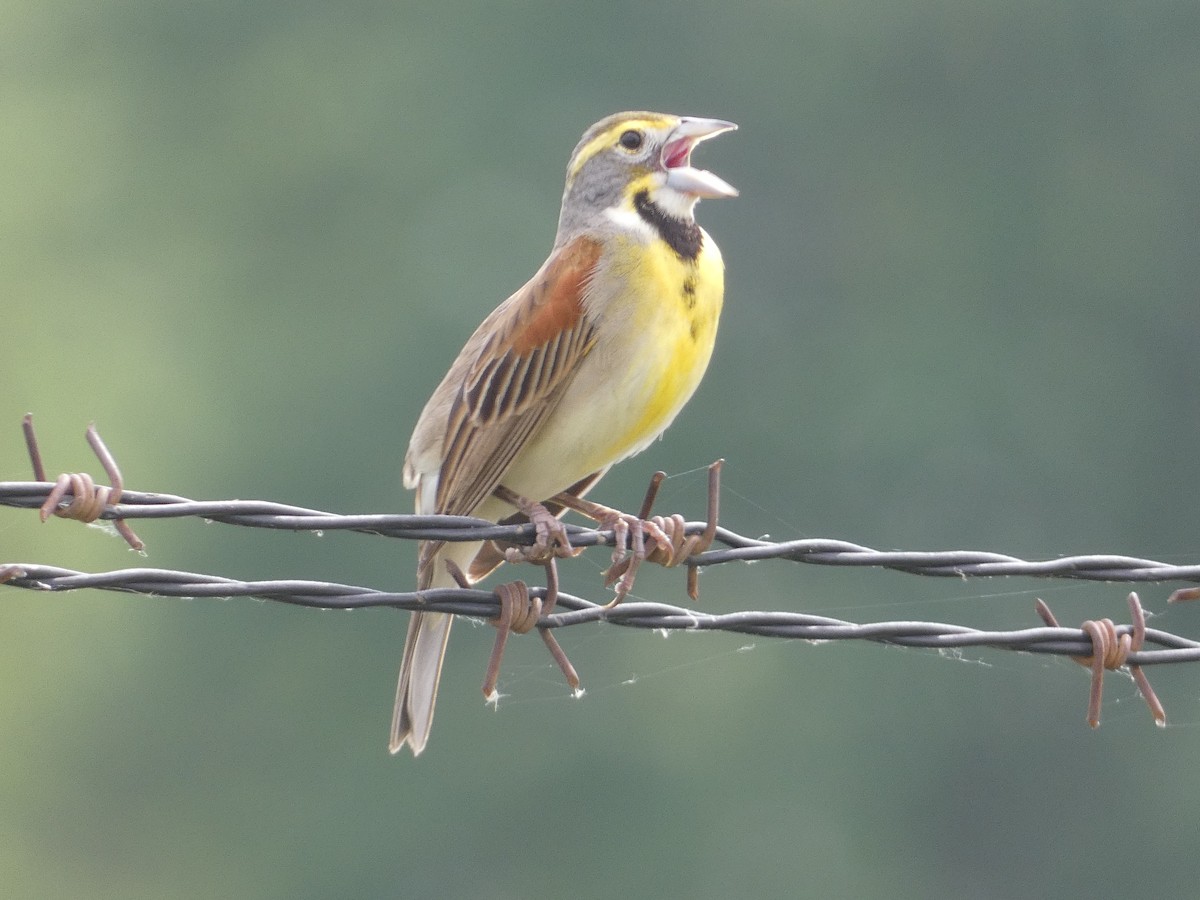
<point>425,647</point>
<point>416,692</point>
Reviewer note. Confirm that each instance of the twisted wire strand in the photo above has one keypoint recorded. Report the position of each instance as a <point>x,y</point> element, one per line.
<point>1099,645</point>
<point>814,551</point>
<point>1060,641</point>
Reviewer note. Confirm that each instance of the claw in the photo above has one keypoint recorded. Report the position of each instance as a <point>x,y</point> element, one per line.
<point>550,534</point>
<point>629,539</point>
<point>672,546</point>
<point>669,543</point>
<point>552,539</point>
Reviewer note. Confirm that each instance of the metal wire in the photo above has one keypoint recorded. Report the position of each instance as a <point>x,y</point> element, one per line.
<point>1099,644</point>
<point>815,551</point>
<point>634,614</point>
<point>578,611</point>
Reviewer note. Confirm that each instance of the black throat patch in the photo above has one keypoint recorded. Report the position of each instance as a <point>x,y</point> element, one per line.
<point>684,238</point>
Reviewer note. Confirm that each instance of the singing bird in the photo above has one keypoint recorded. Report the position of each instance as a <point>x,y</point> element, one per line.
<point>582,367</point>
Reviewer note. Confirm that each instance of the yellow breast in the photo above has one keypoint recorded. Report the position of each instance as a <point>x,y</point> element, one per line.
<point>670,308</point>
<point>657,325</point>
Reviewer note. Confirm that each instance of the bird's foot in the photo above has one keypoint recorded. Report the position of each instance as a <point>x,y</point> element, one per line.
<point>671,543</point>
<point>550,534</point>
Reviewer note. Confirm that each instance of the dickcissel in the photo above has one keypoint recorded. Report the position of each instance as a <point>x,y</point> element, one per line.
<point>582,367</point>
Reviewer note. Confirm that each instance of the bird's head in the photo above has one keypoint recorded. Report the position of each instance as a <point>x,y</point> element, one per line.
<point>640,154</point>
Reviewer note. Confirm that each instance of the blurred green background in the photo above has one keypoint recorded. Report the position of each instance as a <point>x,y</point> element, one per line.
<point>247,239</point>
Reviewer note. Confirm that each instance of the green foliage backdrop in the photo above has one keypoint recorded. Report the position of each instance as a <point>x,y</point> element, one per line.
<point>246,240</point>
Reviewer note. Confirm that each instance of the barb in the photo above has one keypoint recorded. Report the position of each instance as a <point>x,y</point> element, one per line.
<point>1111,649</point>
<point>89,500</point>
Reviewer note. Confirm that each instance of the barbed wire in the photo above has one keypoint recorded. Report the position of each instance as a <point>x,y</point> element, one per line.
<point>738,548</point>
<point>1099,645</point>
<point>657,616</point>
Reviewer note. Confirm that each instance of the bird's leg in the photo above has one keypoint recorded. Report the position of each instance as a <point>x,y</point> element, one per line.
<point>673,546</point>
<point>629,535</point>
<point>551,538</point>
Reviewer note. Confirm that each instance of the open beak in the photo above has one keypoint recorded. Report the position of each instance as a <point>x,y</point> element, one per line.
<point>677,159</point>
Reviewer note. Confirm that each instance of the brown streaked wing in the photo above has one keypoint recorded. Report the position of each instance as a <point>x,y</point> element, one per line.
<point>517,377</point>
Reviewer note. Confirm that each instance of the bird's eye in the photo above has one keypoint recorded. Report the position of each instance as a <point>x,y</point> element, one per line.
<point>631,140</point>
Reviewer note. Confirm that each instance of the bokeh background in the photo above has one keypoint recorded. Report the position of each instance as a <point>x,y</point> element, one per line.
<point>247,239</point>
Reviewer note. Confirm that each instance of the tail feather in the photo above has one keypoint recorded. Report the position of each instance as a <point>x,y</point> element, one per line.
<point>416,691</point>
<point>428,635</point>
<point>429,632</point>
<point>424,650</point>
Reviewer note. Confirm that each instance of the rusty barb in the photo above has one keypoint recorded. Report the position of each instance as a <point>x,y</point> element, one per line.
<point>88,500</point>
<point>670,545</point>
<point>520,613</point>
<point>1111,646</point>
<point>679,546</point>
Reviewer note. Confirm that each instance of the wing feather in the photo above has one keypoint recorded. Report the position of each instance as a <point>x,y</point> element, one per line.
<point>532,349</point>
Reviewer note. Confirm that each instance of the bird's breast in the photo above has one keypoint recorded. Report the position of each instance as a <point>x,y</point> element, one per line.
<point>665,328</point>
<point>656,318</point>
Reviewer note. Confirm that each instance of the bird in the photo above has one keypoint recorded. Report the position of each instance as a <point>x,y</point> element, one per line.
<point>584,366</point>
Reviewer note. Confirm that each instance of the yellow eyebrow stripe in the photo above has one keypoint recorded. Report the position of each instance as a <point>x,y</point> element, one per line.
<point>606,138</point>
